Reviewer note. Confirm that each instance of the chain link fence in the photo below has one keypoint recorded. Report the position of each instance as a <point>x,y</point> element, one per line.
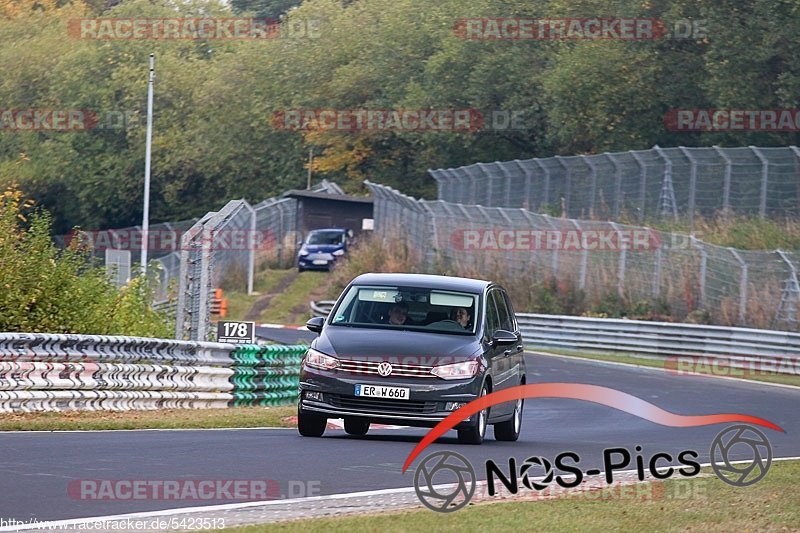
<point>672,182</point>
<point>603,259</point>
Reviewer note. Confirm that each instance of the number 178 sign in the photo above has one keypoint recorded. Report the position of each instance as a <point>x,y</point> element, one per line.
<point>236,332</point>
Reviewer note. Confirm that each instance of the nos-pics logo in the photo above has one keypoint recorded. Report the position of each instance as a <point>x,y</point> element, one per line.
<point>446,481</point>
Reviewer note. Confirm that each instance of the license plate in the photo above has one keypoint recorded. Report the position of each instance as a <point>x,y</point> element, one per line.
<point>379,391</point>
<point>320,262</point>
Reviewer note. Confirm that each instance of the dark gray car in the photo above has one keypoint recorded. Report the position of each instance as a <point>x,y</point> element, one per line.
<point>410,349</point>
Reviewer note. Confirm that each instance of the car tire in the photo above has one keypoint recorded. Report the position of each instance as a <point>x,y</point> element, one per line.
<point>510,429</point>
<point>475,434</point>
<point>356,426</point>
<point>310,424</point>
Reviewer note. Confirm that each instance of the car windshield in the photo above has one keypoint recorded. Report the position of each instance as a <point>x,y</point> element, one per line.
<point>394,307</point>
<point>325,237</point>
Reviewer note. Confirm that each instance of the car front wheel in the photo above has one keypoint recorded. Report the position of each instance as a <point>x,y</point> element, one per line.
<point>475,434</point>
<point>310,424</point>
<point>509,430</point>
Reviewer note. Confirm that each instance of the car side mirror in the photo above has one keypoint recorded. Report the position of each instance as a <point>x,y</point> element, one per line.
<point>315,324</point>
<point>299,244</point>
<point>503,337</point>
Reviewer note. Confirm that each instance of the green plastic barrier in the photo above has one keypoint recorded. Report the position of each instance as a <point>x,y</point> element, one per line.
<point>267,375</point>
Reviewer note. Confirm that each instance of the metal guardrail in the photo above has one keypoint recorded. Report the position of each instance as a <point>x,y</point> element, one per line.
<point>43,372</point>
<point>321,308</point>
<point>735,347</point>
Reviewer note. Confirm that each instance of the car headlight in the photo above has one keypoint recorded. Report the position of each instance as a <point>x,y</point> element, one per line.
<point>319,360</point>
<point>338,253</point>
<point>464,370</point>
<point>303,253</point>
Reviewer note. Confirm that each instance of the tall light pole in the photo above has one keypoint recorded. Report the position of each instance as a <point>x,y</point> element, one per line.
<point>148,147</point>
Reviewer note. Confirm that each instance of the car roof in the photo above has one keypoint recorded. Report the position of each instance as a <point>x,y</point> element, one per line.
<point>327,229</point>
<point>423,281</point>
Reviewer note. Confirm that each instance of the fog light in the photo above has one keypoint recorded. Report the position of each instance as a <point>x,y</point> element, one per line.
<point>316,396</point>
<point>453,406</point>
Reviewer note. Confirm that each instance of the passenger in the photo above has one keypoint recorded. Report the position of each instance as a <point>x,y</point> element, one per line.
<point>398,314</point>
<point>462,316</point>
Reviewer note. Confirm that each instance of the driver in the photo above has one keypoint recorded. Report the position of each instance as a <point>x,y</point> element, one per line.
<point>398,314</point>
<point>462,316</point>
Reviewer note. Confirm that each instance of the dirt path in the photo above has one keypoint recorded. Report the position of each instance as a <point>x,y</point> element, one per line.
<point>299,313</point>
<point>263,302</point>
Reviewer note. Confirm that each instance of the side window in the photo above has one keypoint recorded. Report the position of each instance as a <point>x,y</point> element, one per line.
<point>492,320</point>
<point>512,316</point>
<point>504,318</point>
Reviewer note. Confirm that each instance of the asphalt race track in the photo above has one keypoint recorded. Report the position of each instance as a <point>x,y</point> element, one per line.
<point>37,467</point>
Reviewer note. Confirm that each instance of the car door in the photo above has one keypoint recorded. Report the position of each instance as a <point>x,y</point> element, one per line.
<point>502,369</point>
<point>514,354</point>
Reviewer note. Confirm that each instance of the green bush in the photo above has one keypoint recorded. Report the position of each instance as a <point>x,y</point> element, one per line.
<point>44,290</point>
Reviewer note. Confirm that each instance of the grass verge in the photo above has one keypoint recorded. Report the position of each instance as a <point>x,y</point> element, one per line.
<point>699,369</point>
<point>699,504</point>
<point>161,419</point>
<point>283,307</point>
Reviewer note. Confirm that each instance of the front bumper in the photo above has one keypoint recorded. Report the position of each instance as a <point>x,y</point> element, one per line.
<point>424,408</point>
<point>316,261</point>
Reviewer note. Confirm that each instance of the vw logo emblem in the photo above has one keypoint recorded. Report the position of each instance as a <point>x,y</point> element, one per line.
<point>384,369</point>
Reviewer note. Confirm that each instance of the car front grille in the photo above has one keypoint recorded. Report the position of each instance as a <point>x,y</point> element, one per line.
<point>379,405</point>
<point>403,370</point>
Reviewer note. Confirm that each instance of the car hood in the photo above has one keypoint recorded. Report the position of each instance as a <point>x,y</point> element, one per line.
<point>362,344</point>
<point>322,248</point>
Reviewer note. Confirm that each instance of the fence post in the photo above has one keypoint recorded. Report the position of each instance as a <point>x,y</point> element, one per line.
<point>584,255</point>
<point>762,199</point>
<point>593,174</point>
<point>703,269</point>
<point>546,171</point>
<point>692,186</point>
<point>657,273</point>
<point>489,185</point>
<point>526,202</point>
<point>726,189</point>
<point>642,183</point>
<point>507,174</point>
<point>567,183</point>
<point>742,286</point>
<point>251,247</point>
<point>666,199</point>
<point>617,183</point>
<point>473,185</point>
<point>622,259</point>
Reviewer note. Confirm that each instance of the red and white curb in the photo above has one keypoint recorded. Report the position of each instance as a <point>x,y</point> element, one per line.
<point>282,326</point>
